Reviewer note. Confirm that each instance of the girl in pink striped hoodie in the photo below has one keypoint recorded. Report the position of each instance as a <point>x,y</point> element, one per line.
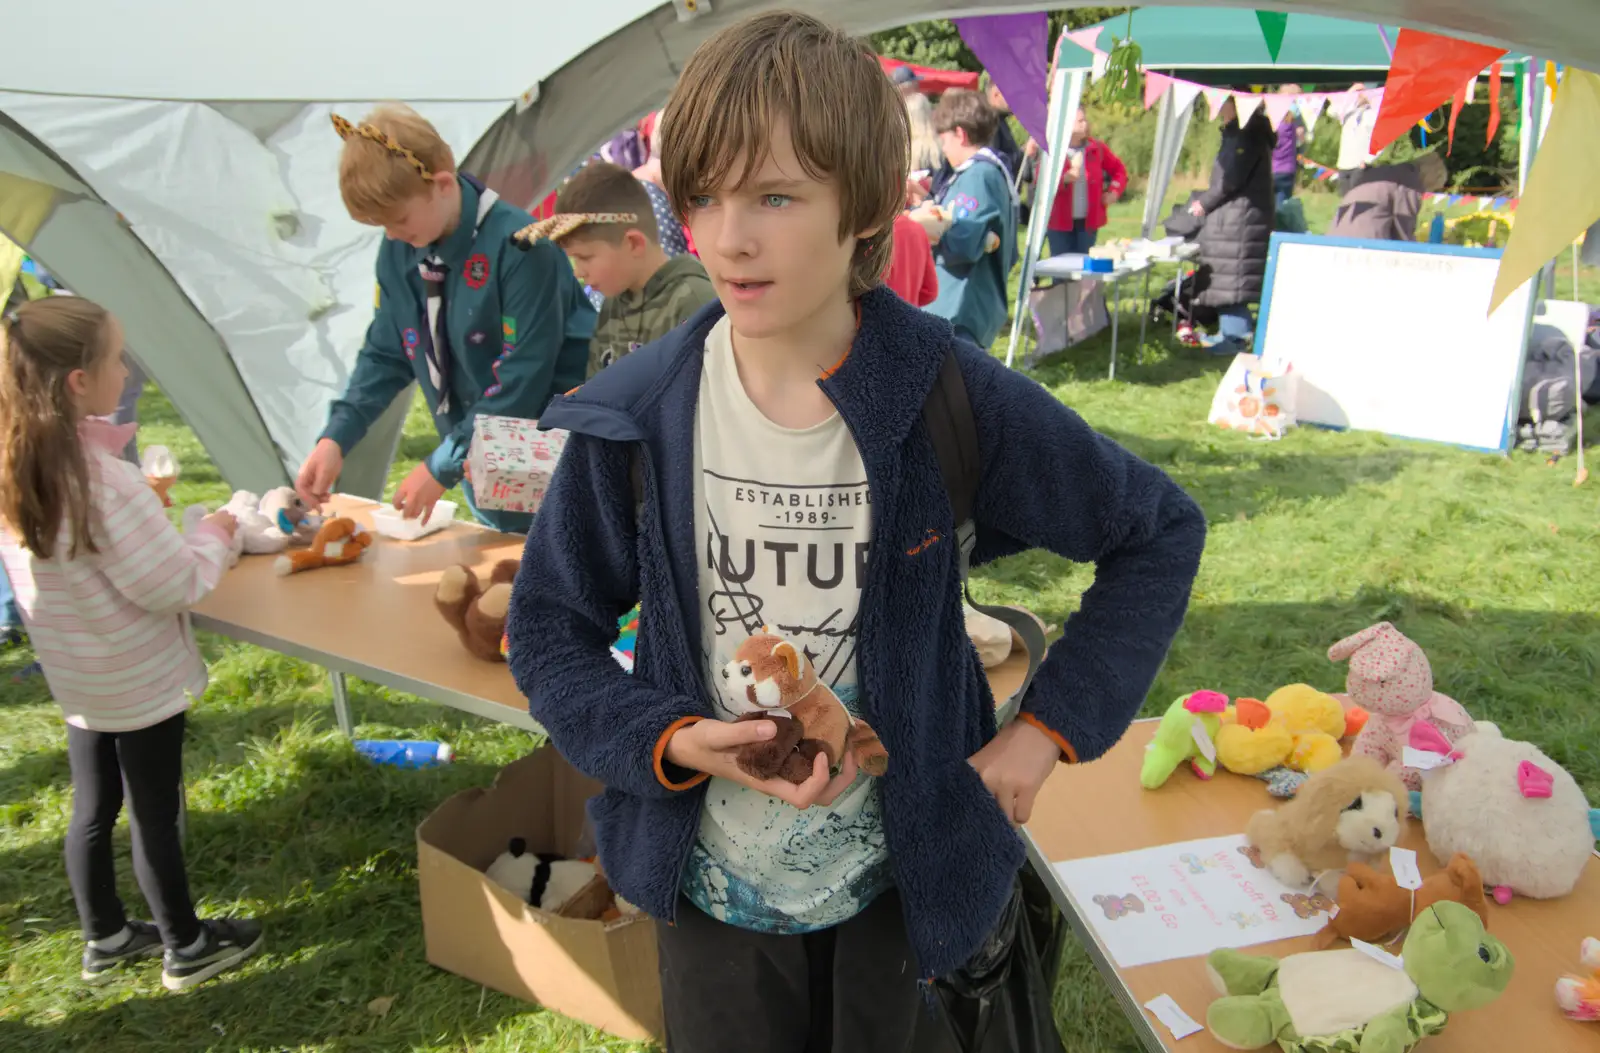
<point>102,580</point>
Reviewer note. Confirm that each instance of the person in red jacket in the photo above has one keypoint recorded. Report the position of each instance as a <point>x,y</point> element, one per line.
<point>1092,178</point>
<point>911,274</point>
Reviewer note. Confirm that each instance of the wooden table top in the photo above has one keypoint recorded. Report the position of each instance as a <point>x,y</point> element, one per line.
<point>1543,935</point>
<point>375,619</point>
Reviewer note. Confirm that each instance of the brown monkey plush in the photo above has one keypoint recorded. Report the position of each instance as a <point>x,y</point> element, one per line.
<point>477,614</point>
<point>776,681</point>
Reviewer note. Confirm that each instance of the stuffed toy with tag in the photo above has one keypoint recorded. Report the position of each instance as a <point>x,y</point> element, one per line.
<point>1347,813</point>
<point>770,678</point>
<point>338,542</point>
<point>540,879</point>
<point>1187,732</point>
<point>477,612</point>
<point>1252,739</point>
<point>271,523</point>
<point>1371,906</point>
<point>1520,816</point>
<point>1391,679</point>
<point>1350,1001</point>
<point>1579,996</point>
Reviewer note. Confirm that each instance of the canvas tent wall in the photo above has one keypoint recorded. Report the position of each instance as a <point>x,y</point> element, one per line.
<point>186,167</point>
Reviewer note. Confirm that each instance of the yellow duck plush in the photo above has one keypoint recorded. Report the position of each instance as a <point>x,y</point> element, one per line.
<point>1315,720</point>
<point>1252,739</point>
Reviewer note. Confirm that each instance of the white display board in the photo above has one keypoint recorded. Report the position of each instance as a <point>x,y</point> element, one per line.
<point>1394,336</point>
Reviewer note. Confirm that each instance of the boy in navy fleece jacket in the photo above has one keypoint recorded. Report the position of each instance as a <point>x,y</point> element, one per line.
<point>785,480</point>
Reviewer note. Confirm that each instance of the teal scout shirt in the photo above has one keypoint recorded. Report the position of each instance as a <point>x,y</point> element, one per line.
<point>519,326</point>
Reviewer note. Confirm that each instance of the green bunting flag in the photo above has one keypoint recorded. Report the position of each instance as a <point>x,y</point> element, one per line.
<point>1273,23</point>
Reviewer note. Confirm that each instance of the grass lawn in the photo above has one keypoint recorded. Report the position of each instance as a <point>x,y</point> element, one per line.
<point>1487,562</point>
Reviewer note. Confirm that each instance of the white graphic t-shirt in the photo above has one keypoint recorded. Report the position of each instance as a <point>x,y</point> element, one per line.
<point>783,522</point>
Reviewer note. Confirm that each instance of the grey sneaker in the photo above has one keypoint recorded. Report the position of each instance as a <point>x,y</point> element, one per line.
<point>228,941</point>
<point>144,943</point>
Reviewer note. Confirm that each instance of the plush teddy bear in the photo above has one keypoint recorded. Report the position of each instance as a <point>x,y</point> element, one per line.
<point>1391,679</point>
<point>338,541</point>
<point>1349,812</point>
<point>540,879</point>
<point>1373,907</point>
<point>477,613</point>
<point>770,678</point>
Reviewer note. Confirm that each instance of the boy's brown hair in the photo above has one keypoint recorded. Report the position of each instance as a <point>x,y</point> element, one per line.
<point>388,159</point>
<point>846,120</point>
<point>968,111</point>
<point>44,471</point>
<point>602,187</point>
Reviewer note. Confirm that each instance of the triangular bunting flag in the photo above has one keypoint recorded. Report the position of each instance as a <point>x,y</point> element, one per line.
<point>1273,23</point>
<point>1562,198</point>
<point>1183,95</point>
<point>1311,106</point>
<point>1155,86</point>
<point>1463,98</point>
<point>1494,102</point>
<point>1427,69</point>
<point>1277,107</point>
<point>1215,97</point>
<point>1247,105</point>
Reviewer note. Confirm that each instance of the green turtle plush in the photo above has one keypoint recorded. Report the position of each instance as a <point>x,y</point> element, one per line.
<point>1345,1001</point>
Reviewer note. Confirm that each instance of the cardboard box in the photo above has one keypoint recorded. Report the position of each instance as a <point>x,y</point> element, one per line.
<point>511,462</point>
<point>604,974</point>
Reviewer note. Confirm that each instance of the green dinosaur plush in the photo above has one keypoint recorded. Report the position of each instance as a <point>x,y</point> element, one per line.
<point>1343,1001</point>
<point>1176,741</point>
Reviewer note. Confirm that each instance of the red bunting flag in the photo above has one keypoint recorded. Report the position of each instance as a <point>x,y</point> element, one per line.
<point>1426,70</point>
<point>1494,102</point>
<point>1463,98</point>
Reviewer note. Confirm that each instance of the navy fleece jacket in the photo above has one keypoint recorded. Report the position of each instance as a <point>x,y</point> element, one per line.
<point>1048,481</point>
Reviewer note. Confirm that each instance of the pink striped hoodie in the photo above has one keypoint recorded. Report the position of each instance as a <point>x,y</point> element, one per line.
<point>109,628</point>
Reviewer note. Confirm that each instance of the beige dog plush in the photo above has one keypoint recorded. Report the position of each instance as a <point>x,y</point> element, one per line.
<point>1350,812</point>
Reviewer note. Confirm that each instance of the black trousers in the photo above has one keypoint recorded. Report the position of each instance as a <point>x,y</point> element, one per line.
<point>145,767</point>
<point>849,989</point>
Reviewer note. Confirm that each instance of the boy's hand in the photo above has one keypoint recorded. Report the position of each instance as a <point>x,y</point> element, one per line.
<point>1014,765</point>
<point>418,493</point>
<point>317,475</point>
<point>711,746</point>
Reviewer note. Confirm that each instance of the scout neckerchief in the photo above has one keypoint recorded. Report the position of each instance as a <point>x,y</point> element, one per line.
<point>436,325</point>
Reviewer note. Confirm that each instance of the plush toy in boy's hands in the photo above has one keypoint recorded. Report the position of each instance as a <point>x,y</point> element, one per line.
<point>477,613</point>
<point>1348,1001</point>
<point>1187,732</point>
<point>338,542</point>
<point>770,678</point>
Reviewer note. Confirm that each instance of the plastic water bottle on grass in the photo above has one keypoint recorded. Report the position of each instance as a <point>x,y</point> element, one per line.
<point>401,753</point>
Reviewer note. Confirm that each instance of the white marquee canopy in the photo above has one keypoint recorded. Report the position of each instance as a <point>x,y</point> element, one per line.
<point>174,160</point>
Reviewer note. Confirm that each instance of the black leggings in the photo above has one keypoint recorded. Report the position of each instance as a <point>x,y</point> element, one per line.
<point>146,767</point>
<point>849,989</point>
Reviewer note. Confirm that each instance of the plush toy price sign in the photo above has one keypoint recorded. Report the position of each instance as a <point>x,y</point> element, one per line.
<point>511,462</point>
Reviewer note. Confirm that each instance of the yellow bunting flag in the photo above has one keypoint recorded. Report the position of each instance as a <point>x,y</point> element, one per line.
<point>1562,198</point>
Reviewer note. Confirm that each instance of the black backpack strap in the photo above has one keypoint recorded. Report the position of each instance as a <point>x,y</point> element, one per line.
<point>947,414</point>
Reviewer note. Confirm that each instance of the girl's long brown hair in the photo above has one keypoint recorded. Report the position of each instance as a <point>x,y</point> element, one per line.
<point>44,475</point>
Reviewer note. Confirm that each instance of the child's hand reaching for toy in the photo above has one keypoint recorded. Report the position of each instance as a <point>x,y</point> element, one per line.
<point>223,521</point>
<point>712,746</point>
<point>1014,765</point>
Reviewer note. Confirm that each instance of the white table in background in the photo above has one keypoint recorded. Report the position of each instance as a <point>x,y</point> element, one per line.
<point>1058,268</point>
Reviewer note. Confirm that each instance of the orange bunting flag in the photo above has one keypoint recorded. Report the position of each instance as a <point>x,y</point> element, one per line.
<point>1426,70</point>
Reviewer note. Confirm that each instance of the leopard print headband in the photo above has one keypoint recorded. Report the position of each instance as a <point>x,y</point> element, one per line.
<point>562,224</point>
<point>383,139</point>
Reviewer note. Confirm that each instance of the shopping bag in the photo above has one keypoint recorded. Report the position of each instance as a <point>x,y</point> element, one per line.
<point>1066,314</point>
<point>1255,397</point>
<point>1001,1000</point>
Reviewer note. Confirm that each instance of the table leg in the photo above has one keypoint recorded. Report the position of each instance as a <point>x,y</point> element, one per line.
<point>1177,301</point>
<point>1144,318</point>
<point>1116,315</point>
<point>341,705</point>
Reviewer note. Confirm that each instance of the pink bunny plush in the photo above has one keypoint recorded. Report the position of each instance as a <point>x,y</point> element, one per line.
<point>1390,678</point>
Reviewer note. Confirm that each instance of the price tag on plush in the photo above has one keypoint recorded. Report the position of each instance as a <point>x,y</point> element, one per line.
<point>511,462</point>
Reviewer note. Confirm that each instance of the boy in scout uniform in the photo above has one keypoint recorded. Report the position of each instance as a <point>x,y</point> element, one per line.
<point>481,326</point>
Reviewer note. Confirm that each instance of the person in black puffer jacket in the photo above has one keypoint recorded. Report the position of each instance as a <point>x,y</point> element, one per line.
<point>1237,209</point>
